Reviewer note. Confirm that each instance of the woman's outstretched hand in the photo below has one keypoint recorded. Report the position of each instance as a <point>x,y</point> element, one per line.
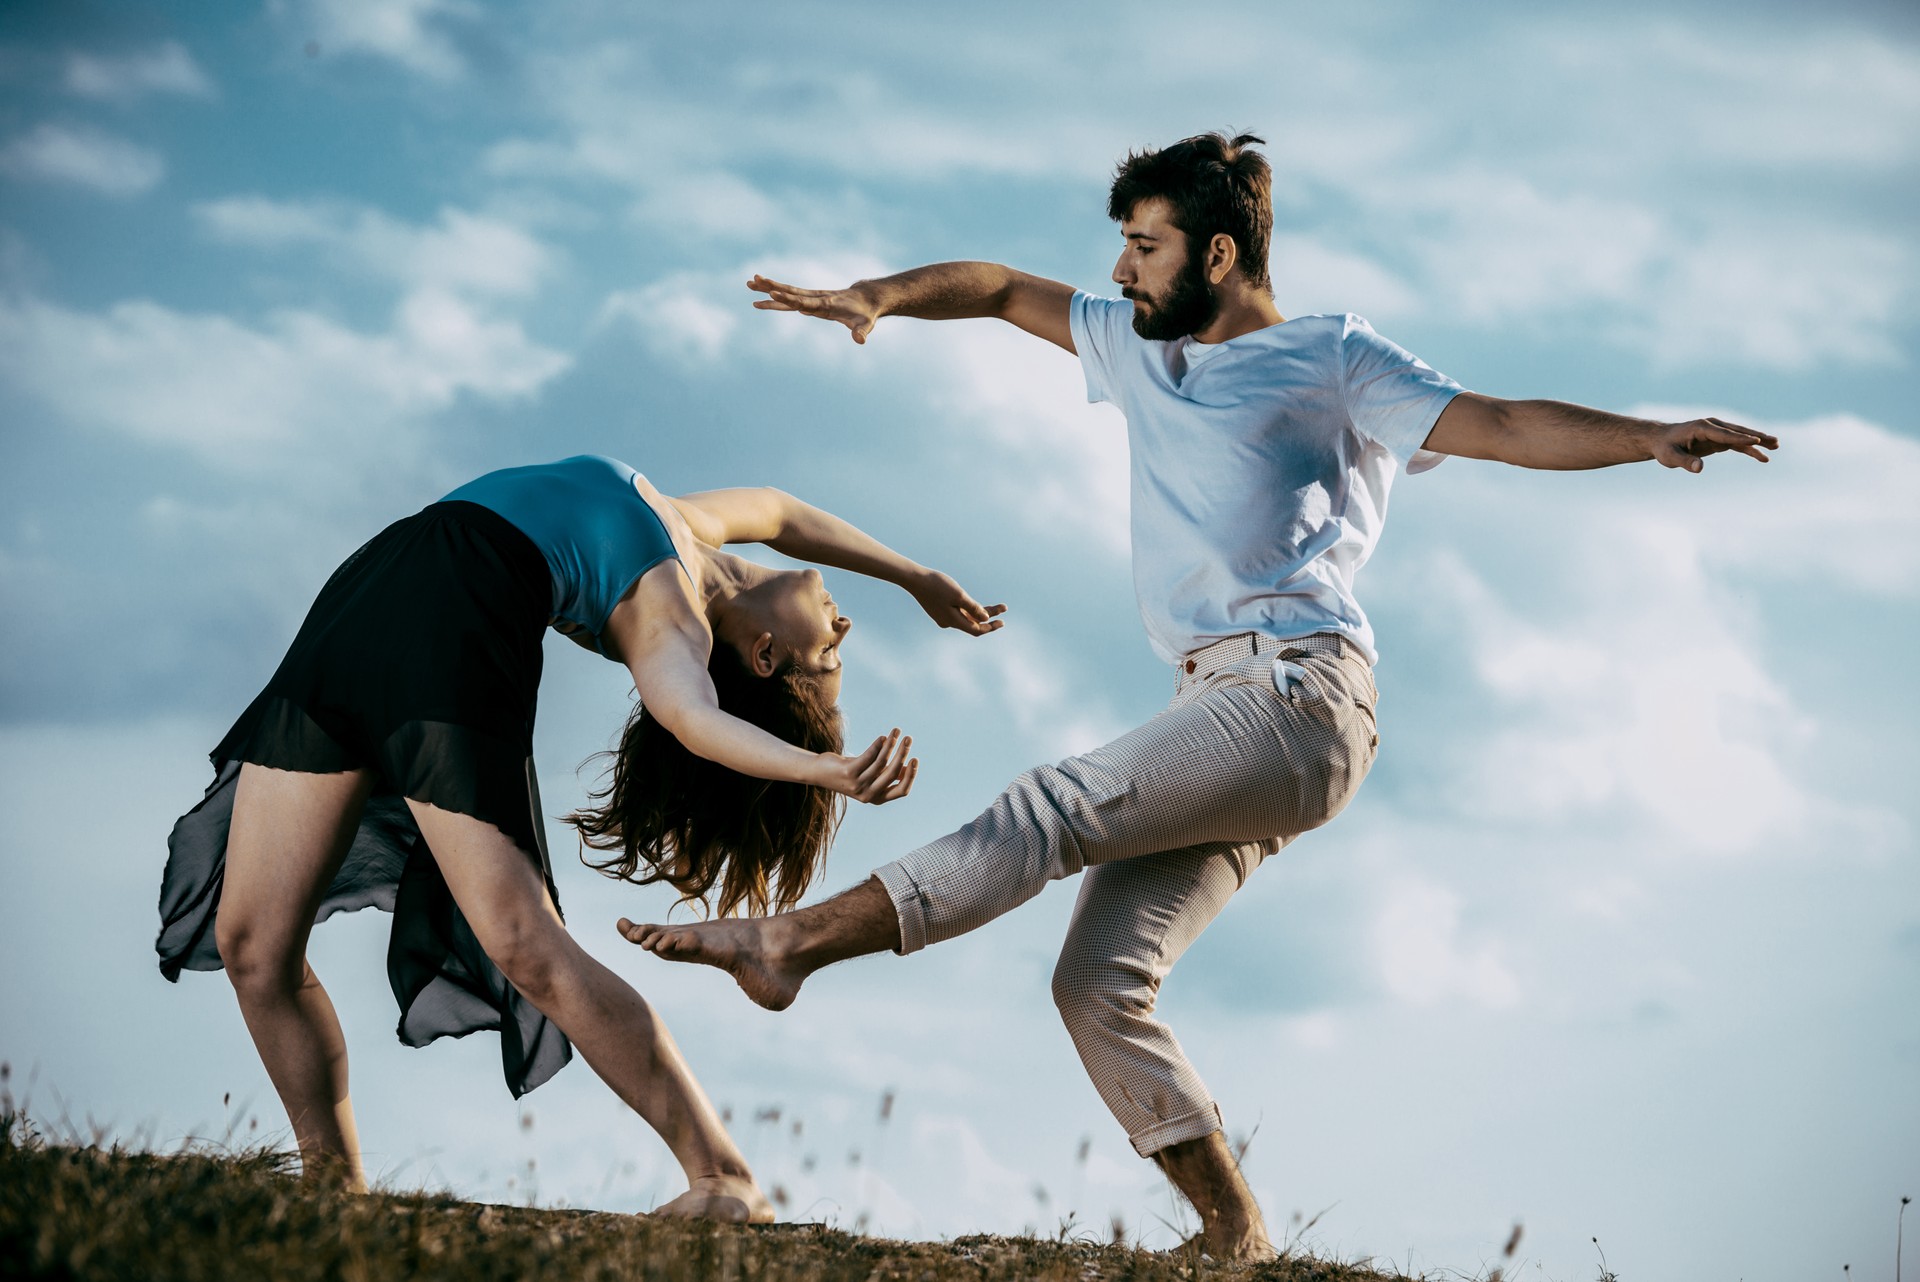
<point>949,605</point>
<point>883,773</point>
<point>848,306</point>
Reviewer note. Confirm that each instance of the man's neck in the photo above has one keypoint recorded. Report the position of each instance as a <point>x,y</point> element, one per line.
<point>1242,311</point>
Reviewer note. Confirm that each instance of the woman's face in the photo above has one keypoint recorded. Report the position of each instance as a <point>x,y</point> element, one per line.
<point>807,628</point>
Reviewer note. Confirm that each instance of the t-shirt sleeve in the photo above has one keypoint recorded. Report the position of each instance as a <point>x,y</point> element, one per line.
<point>1392,396</point>
<point>1101,327</point>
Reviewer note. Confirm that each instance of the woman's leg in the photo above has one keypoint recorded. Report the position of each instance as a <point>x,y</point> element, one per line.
<point>501,893</point>
<point>290,832</point>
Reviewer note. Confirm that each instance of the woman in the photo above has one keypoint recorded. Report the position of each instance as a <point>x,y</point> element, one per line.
<point>388,762</point>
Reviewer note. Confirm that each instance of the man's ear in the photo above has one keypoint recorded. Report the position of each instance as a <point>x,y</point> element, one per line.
<point>760,655</point>
<point>1222,254</point>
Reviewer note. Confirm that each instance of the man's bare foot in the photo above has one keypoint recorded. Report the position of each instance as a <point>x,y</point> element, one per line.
<point>1206,1171</point>
<point>746,949</point>
<point>732,1199</point>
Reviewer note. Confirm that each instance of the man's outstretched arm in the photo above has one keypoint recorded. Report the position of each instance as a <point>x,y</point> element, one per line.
<point>939,291</point>
<point>1554,434</point>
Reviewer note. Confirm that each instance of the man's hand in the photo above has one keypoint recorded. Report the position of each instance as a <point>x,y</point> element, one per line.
<point>883,773</point>
<point>1685,444</point>
<point>949,605</point>
<point>849,306</point>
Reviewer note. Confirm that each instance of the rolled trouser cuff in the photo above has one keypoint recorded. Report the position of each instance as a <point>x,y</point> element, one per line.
<point>1176,1130</point>
<point>909,905</point>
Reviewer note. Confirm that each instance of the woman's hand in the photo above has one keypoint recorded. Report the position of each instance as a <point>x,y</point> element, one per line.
<point>883,773</point>
<point>948,605</point>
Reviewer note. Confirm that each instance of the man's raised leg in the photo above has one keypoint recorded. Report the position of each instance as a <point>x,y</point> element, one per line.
<point>770,957</point>
<point>1236,764</point>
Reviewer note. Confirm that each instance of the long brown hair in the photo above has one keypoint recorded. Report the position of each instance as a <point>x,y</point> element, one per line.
<point>676,817</point>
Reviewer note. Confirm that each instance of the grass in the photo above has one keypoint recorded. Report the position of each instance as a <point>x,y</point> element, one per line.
<point>75,1210</point>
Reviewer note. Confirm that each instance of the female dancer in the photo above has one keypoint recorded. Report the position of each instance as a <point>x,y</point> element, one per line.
<point>388,762</point>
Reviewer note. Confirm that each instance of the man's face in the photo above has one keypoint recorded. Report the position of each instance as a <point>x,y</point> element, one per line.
<point>1171,295</point>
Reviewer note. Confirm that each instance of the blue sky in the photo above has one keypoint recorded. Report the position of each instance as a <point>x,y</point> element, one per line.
<point>1621,939</point>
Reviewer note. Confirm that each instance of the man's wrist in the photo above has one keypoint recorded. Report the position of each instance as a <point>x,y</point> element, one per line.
<point>873,294</point>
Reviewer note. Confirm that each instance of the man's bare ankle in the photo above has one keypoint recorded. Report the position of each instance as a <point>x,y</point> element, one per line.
<point>855,922</point>
<point>1205,1172</point>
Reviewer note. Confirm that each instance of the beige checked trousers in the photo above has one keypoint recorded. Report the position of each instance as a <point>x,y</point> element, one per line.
<point>1168,821</point>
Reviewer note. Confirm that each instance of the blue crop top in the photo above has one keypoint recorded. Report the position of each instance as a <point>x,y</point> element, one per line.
<point>589,522</point>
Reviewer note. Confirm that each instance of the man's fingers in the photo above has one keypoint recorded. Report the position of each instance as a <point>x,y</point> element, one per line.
<point>1733,437</point>
<point>1765,439</point>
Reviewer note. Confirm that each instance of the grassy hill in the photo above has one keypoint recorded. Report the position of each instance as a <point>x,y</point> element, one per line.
<point>77,1211</point>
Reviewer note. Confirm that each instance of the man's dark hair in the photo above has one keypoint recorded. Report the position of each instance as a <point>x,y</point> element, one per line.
<point>1215,184</point>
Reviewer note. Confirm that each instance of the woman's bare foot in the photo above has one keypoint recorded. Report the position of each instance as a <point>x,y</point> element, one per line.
<point>747,950</point>
<point>732,1199</point>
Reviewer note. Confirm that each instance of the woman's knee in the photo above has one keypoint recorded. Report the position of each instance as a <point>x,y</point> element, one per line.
<point>530,949</point>
<point>256,960</point>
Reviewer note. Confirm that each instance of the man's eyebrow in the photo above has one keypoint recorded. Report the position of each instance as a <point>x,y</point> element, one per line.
<point>1138,235</point>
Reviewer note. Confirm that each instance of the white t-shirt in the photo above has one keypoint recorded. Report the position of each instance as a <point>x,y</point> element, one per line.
<point>1260,467</point>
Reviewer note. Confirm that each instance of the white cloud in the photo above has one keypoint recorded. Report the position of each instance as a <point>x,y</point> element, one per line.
<point>1493,245</point>
<point>165,68</point>
<point>1423,958</point>
<point>84,157</point>
<point>1058,463</point>
<point>1836,506</point>
<point>714,204</point>
<point>460,251</point>
<point>1651,697</point>
<point>409,32</point>
<point>1821,98</point>
<point>1787,297</point>
<point>676,317</point>
<point>229,391</point>
<point>1313,277</point>
<point>1015,673</point>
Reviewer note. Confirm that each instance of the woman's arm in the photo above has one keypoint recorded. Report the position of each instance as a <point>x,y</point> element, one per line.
<point>1554,434</point>
<point>670,674</point>
<point>806,533</point>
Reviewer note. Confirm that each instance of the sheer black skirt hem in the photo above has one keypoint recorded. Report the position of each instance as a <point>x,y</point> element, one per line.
<point>419,663</point>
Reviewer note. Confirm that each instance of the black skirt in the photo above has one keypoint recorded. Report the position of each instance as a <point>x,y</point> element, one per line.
<point>419,661</point>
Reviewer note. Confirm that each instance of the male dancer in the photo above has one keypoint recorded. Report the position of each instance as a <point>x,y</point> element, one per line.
<point>1262,450</point>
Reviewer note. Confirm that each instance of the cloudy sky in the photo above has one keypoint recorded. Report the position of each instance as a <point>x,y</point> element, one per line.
<point>1622,939</point>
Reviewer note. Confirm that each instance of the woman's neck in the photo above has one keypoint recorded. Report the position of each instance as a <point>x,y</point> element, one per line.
<point>724,576</point>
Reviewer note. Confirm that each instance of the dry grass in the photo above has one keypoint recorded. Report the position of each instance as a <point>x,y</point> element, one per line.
<point>83,1211</point>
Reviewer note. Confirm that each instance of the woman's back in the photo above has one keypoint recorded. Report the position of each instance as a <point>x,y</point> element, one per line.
<point>594,530</point>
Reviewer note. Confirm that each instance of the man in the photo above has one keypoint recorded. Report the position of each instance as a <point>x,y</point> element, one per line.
<point>1262,451</point>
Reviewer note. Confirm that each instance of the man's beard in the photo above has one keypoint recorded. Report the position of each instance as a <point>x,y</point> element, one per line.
<point>1188,308</point>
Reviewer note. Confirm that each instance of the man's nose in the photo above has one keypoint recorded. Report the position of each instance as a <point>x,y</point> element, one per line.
<point>1122,274</point>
